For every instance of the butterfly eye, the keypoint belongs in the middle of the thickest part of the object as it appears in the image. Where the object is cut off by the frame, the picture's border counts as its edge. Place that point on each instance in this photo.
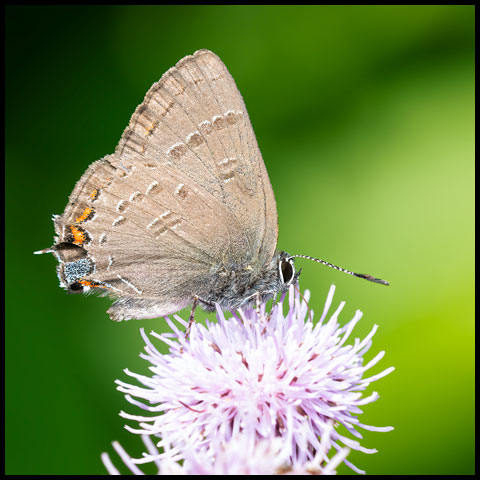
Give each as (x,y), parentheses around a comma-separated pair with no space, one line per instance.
(287,271)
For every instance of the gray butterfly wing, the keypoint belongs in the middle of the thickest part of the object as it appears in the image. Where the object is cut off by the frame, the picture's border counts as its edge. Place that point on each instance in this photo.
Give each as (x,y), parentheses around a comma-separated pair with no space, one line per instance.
(196,117)
(185,192)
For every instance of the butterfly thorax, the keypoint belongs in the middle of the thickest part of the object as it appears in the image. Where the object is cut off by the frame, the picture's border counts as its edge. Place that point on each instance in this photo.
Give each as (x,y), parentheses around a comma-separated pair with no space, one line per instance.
(238,284)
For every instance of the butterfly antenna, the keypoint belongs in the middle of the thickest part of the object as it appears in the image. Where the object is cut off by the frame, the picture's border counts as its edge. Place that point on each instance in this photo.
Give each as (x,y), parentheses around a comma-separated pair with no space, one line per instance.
(360,275)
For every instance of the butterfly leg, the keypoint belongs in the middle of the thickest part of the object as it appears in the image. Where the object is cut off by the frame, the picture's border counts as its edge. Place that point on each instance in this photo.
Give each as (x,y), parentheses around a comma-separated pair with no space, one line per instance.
(192,317)
(257,303)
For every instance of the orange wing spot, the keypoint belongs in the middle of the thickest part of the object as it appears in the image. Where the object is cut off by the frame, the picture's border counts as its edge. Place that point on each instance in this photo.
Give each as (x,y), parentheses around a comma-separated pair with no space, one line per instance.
(84,215)
(94,194)
(88,283)
(79,237)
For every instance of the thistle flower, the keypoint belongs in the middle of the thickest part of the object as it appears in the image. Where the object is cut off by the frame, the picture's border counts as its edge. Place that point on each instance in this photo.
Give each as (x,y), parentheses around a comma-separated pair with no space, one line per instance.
(238,456)
(258,381)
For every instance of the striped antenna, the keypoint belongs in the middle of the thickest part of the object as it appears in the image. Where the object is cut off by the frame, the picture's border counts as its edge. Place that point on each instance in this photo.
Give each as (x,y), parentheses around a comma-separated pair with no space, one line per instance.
(360,275)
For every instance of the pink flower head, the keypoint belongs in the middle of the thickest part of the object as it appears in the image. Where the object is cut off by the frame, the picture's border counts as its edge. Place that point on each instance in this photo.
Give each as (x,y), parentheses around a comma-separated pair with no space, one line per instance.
(255,381)
(238,456)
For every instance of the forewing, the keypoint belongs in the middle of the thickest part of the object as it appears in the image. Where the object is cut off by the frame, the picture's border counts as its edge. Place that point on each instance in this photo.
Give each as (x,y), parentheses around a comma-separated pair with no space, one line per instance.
(195,119)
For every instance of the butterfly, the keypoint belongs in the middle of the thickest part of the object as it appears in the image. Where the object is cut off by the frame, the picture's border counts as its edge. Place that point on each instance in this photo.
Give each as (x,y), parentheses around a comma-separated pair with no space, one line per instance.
(183,211)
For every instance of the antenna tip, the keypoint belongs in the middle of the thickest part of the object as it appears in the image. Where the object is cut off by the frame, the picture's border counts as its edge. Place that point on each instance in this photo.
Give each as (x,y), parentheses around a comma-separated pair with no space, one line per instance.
(371,279)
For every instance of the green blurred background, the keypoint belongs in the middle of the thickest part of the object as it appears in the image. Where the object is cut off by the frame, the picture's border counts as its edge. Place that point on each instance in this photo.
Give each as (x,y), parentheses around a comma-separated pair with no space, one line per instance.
(365,118)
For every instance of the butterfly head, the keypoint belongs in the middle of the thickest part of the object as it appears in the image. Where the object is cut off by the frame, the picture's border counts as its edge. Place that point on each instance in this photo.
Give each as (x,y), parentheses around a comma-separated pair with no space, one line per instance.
(275,277)
(287,275)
